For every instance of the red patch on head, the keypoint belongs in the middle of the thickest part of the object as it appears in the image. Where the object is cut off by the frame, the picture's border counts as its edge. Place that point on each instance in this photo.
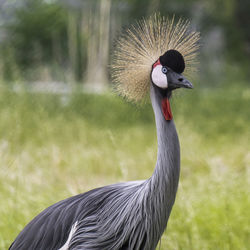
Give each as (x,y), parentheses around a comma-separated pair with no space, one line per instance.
(156,63)
(166,109)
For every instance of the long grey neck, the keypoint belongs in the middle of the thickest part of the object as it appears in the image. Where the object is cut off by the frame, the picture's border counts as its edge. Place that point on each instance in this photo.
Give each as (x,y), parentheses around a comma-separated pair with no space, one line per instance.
(164,181)
(167,169)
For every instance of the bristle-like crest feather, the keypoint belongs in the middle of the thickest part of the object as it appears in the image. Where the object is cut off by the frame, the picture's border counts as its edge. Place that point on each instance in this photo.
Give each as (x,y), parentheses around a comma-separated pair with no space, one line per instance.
(142,45)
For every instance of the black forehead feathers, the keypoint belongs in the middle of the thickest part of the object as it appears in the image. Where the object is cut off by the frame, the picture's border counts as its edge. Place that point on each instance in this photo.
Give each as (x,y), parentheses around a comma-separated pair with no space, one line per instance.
(174,60)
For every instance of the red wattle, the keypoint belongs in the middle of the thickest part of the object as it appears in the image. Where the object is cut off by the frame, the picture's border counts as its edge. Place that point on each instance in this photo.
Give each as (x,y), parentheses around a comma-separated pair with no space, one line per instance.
(166,109)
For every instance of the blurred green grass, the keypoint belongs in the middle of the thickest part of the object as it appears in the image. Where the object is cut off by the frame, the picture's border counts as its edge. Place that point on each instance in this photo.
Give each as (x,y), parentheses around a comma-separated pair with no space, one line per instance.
(55,146)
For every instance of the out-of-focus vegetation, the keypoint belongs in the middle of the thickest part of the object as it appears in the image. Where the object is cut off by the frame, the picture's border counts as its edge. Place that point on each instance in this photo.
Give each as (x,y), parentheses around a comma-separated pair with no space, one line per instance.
(71,40)
(53,147)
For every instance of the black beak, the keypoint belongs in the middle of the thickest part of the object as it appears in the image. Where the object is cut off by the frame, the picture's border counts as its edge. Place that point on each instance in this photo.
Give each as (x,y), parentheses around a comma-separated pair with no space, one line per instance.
(176,80)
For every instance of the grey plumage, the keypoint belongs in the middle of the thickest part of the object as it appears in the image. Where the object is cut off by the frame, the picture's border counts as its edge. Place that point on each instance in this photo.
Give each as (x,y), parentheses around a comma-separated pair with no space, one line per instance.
(130,215)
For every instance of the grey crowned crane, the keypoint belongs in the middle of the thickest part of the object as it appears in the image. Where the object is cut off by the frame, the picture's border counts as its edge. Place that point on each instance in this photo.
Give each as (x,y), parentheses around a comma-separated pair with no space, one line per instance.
(149,58)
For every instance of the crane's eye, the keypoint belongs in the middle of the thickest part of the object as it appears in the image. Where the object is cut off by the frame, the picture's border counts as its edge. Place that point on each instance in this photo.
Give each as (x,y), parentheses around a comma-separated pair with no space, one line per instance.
(164,70)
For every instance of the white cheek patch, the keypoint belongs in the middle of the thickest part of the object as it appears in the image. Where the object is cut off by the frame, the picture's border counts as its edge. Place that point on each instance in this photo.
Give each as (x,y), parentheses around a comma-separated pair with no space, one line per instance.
(158,78)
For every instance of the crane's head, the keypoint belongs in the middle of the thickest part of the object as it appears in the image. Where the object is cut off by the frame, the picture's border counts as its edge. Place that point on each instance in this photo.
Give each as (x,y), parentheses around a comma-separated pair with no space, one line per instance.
(167,75)
(167,71)
(154,52)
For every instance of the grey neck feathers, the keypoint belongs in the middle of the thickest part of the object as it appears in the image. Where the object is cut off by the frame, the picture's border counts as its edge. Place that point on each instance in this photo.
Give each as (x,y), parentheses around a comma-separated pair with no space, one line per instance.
(164,181)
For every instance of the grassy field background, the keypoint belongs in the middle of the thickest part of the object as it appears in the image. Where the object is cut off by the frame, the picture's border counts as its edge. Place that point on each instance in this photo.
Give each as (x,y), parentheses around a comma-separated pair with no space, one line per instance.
(55,146)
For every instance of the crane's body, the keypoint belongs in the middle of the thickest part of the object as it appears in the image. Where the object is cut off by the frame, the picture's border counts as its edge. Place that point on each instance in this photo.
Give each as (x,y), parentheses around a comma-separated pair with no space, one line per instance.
(130,215)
